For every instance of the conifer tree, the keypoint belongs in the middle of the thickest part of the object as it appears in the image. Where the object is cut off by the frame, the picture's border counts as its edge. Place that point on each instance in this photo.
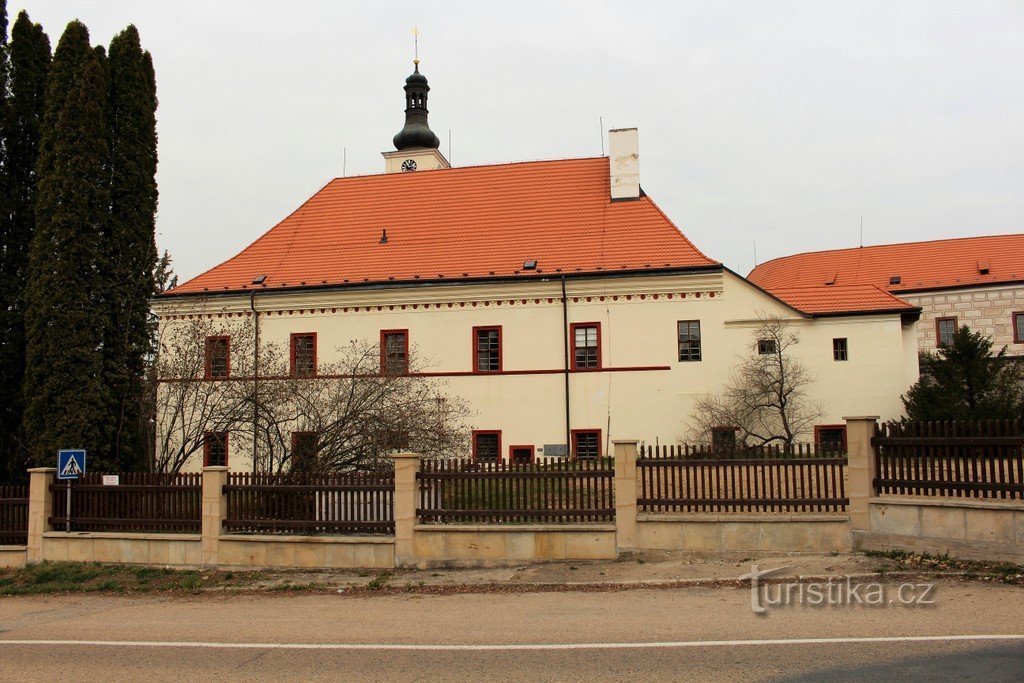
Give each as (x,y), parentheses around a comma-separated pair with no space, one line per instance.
(29,52)
(129,245)
(65,396)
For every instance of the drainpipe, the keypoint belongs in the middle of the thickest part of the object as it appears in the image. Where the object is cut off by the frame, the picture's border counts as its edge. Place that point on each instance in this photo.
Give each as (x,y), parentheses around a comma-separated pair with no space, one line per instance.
(255,373)
(565,347)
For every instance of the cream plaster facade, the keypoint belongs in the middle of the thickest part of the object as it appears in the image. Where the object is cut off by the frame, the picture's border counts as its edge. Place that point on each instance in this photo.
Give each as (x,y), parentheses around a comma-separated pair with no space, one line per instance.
(989,310)
(641,391)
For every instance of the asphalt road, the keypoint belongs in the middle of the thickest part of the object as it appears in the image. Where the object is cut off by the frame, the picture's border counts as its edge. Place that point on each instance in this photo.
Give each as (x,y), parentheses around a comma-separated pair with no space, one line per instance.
(681,634)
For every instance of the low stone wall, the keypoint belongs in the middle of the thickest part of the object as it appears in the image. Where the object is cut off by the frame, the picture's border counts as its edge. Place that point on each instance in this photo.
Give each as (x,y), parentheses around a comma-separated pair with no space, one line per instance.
(307,552)
(175,550)
(12,556)
(793,533)
(965,528)
(437,545)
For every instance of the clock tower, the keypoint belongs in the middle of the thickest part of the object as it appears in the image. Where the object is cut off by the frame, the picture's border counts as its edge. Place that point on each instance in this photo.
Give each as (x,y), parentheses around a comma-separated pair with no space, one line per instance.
(415,145)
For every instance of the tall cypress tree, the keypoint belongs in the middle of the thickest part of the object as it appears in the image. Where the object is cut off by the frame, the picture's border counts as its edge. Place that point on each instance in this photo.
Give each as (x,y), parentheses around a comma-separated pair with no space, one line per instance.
(130,243)
(65,396)
(30,58)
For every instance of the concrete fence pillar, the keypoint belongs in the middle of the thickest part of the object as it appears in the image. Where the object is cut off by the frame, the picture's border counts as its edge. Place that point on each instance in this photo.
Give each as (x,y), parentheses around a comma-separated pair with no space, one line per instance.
(215,508)
(40,507)
(407,466)
(625,452)
(860,469)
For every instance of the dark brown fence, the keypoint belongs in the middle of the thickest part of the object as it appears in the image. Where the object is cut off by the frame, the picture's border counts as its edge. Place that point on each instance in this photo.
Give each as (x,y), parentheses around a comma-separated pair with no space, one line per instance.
(979,459)
(13,515)
(310,503)
(558,492)
(141,502)
(687,478)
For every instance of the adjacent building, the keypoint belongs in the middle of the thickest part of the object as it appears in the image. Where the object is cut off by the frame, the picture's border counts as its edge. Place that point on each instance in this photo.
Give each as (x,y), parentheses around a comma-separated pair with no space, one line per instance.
(972,281)
(554,296)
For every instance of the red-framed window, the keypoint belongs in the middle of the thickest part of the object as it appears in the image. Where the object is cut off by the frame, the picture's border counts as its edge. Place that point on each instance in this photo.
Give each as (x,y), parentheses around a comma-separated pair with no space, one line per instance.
(303,354)
(304,448)
(487,445)
(586,345)
(830,439)
(394,352)
(215,449)
(1018,328)
(487,349)
(688,334)
(218,357)
(586,444)
(945,328)
(520,455)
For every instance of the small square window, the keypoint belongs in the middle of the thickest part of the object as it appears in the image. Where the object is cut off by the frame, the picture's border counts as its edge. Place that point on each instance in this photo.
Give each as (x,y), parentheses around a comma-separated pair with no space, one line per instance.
(945,329)
(218,357)
(586,444)
(303,355)
(215,449)
(1018,328)
(766,347)
(724,438)
(830,439)
(487,446)
(689,340)
(487,349)
(394,352)
(839,349)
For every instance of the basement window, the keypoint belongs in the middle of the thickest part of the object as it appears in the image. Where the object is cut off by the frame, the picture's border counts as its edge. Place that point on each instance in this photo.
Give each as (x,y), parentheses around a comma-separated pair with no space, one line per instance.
(724,438)
(586,444)
(487,446)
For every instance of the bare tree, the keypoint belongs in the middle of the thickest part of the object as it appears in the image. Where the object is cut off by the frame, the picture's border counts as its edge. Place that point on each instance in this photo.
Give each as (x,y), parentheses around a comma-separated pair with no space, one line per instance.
(187,403)
(765,399)
(351,415)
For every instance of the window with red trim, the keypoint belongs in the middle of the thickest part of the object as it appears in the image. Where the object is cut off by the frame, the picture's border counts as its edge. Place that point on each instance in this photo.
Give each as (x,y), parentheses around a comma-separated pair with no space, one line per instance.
(521,455)
(945,329)
(394,352)
(304,449)
(487,349)
(218,357)
(1018,328)
(586,345)
(830,439)
(215,449)
(487,446)
(586,444)
(303,354)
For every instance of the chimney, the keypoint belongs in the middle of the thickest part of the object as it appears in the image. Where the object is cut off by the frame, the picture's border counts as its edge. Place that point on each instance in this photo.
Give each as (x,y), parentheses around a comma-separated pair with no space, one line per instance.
(624,162)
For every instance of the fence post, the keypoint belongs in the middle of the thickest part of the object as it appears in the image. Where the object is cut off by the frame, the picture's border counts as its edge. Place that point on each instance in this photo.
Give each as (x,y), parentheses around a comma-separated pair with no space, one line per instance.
(407,465)
(215,509)
(40,507)
(860,469)
(625,493)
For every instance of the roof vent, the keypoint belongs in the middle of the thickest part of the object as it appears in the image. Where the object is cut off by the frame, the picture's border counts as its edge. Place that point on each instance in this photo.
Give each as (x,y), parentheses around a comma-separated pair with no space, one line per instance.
(895,280)
(259,279)
(530,265)
(384,236)
(830,279)
(983,267)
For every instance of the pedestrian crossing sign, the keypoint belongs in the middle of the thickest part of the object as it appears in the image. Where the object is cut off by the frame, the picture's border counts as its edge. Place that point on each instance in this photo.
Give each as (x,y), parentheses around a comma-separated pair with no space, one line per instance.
(70,464)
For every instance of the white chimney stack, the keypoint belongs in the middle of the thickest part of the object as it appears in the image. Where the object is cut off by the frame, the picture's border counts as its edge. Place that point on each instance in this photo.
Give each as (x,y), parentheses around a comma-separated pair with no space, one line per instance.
(624,162)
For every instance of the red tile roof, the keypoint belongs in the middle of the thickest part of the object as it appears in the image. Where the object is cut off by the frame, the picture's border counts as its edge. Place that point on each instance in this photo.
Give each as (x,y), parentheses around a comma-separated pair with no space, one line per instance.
(468,222)
(939,264)
(839,300)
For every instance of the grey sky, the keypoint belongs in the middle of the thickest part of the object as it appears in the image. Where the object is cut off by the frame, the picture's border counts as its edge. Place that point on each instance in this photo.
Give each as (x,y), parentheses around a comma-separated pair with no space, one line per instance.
(780,122)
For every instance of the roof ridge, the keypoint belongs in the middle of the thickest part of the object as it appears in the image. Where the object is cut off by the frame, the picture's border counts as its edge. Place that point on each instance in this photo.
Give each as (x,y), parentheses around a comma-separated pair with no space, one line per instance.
(420,172)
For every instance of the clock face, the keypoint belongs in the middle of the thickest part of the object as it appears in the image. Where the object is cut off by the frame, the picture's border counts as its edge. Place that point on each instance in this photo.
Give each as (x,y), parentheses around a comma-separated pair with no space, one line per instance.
(408,165)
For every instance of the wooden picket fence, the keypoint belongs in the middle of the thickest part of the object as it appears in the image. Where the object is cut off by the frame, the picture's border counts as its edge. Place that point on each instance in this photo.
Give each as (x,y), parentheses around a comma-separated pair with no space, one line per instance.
(301,503)
(699,478)
(13,515)
(555,492)
(962,459)
(140,502)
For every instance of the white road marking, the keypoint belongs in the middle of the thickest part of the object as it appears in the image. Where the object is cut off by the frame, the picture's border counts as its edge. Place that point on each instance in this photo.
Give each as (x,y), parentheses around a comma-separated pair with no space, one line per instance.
(514,646)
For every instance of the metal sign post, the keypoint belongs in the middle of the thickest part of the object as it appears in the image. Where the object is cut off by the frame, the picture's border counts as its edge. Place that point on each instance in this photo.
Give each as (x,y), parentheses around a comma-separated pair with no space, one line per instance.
(70,465)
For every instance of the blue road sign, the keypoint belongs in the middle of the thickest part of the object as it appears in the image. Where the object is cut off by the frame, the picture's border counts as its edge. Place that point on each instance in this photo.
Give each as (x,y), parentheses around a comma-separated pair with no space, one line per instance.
(70,464)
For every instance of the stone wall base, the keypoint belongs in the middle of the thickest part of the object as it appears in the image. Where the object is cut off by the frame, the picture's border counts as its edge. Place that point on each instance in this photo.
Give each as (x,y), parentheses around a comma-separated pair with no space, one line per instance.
(173,550)
(725,533)
(485,546)
(306,552)
(13,556)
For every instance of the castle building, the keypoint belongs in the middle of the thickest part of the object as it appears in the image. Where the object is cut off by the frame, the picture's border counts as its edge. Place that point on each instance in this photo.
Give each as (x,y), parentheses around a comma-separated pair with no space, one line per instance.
(555,297)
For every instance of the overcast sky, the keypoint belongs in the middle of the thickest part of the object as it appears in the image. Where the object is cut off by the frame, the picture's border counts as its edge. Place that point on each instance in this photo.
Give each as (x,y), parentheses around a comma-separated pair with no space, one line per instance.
(780,123)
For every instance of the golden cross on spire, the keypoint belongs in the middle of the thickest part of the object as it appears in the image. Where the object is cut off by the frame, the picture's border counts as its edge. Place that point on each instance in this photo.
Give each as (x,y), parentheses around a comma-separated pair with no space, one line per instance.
(416,46)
